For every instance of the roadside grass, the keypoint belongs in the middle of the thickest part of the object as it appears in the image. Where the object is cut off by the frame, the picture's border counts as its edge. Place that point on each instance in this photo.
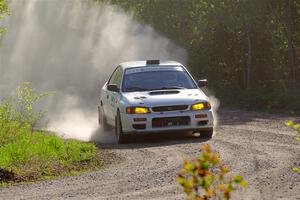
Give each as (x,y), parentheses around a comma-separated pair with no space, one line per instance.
(27,154)
(296,127)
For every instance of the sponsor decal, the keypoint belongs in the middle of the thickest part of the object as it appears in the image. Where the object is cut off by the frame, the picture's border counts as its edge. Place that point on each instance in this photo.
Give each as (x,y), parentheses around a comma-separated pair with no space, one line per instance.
(151,69)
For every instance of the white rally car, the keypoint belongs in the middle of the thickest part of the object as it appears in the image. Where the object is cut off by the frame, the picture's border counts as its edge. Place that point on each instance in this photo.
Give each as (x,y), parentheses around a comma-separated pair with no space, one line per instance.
(153,96)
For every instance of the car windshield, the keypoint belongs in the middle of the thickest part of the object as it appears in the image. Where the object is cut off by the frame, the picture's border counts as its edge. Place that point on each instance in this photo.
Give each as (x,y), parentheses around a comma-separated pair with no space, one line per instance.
(161,78)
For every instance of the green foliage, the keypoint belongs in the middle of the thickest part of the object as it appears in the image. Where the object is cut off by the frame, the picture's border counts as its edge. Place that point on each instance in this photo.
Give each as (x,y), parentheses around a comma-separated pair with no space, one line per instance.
(26,100)
(31,154)
(296,127)
(206,178)
(260,99)
(4,10)
(215,35)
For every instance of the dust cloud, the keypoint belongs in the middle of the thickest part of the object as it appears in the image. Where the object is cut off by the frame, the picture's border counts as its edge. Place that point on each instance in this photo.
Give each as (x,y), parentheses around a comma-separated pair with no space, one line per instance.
(215,104)
(71,47)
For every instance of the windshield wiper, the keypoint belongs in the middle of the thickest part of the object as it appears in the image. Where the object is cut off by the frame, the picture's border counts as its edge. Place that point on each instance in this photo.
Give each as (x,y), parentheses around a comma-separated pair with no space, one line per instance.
(172,87)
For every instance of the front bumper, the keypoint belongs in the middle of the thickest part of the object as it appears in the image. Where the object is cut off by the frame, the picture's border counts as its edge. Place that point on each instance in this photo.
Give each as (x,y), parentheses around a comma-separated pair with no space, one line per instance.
(195,124)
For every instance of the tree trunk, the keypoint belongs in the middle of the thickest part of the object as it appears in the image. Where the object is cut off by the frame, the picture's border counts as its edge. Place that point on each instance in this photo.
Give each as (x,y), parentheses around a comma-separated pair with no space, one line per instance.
(291,55)
(249,57)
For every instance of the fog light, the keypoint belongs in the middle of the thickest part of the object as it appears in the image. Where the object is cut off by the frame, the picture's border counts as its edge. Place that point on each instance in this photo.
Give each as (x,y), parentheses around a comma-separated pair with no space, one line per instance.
(139,126)
(201,116)
(140,119)
(202,123)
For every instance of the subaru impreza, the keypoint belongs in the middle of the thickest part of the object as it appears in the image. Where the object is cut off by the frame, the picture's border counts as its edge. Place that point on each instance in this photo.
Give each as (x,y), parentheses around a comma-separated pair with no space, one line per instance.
(154,96)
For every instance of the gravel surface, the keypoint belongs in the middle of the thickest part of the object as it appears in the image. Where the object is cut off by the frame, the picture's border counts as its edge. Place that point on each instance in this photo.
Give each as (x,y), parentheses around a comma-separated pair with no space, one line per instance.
(255,145)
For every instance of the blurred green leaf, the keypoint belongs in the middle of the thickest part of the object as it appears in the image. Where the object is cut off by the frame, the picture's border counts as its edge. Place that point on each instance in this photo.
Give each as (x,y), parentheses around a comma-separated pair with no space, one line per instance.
(289,123)
(237,179)
(296,169)
(200,176)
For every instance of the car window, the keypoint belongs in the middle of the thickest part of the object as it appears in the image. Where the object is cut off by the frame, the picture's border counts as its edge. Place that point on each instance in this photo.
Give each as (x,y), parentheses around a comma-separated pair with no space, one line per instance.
(116,77)
(141,80)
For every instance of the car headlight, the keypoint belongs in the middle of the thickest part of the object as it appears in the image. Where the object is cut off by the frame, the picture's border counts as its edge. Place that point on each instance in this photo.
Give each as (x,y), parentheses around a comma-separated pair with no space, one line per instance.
(201,106)
(137,110)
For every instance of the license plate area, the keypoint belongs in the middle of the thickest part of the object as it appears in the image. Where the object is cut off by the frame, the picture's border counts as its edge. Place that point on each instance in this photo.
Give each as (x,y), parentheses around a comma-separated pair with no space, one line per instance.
(170,121)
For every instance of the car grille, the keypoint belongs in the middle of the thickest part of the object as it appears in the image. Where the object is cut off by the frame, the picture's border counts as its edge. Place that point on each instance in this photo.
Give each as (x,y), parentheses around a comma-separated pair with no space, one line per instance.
(170,121)
(169,108)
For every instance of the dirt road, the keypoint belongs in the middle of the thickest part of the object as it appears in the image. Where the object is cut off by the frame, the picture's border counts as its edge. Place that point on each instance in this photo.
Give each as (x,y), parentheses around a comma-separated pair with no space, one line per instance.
(255,145)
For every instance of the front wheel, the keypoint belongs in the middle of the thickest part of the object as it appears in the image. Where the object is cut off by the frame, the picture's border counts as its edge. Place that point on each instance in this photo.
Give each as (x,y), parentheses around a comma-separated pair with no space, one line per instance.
(121,138)
(207,133)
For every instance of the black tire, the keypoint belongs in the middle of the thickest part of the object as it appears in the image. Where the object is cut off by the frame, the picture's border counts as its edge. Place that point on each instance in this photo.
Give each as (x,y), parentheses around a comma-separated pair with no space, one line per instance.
(102,119)
(121,138)
(207,133)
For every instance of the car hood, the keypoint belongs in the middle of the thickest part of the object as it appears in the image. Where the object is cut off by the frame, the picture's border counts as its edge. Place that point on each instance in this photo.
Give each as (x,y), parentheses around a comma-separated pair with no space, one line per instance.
(165,97)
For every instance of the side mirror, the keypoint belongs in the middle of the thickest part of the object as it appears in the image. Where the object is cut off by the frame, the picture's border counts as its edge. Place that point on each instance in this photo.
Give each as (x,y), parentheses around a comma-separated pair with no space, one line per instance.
(202,83)
(113,88)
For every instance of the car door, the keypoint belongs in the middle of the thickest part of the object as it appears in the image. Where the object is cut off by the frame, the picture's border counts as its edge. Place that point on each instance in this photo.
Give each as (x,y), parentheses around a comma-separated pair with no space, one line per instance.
(105,99)
(105,96)
(112,96)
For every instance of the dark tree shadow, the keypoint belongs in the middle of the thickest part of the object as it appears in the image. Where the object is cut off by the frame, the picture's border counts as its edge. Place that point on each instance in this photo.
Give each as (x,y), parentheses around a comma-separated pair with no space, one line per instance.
(6,176)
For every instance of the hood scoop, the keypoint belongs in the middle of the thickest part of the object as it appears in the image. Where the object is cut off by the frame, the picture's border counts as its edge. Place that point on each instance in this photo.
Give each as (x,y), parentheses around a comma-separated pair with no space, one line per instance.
(162,92)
